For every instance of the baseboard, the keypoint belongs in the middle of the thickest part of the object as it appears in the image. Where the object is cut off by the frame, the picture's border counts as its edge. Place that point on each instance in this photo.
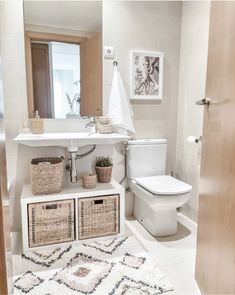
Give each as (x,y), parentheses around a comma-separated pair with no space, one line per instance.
(187,222)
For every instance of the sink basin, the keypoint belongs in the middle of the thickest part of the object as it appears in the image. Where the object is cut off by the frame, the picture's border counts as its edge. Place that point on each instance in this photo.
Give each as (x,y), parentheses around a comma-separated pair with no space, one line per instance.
(76,139)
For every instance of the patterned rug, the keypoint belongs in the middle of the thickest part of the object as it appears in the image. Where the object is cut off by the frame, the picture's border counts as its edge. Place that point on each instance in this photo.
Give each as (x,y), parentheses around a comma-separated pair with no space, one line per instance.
(117,266)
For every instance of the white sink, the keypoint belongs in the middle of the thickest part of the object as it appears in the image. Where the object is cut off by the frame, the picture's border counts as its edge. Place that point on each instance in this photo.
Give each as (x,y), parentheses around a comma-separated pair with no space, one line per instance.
(68,140)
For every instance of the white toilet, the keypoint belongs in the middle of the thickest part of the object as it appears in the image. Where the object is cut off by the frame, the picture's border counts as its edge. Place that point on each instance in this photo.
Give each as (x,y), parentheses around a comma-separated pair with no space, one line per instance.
(157,196)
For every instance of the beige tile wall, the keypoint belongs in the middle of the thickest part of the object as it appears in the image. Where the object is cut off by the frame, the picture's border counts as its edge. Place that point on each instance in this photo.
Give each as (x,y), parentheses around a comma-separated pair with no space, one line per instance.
(14,79)
(193,64)
(153,26)
(148,25)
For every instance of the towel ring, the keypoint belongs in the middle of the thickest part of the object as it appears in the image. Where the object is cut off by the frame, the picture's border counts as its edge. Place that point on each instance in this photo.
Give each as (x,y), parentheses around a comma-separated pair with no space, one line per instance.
(115,63)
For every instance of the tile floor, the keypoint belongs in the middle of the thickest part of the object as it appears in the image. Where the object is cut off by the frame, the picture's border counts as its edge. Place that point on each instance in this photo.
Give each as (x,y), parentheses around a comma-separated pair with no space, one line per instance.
(174,255)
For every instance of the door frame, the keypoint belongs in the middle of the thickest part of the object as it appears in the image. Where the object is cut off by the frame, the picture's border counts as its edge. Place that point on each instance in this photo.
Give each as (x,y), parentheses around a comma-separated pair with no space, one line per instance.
(40,36)
(5,222)
(3,265)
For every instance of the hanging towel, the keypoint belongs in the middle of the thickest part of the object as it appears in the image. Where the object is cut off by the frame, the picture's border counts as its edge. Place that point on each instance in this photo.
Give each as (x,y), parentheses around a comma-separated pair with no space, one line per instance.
(119,107)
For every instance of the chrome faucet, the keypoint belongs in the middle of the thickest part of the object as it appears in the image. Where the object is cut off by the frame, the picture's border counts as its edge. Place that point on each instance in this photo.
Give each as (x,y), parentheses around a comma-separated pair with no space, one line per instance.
(92,123)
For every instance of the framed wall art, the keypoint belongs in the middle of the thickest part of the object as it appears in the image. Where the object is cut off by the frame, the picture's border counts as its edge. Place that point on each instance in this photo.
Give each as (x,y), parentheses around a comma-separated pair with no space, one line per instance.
(146,75)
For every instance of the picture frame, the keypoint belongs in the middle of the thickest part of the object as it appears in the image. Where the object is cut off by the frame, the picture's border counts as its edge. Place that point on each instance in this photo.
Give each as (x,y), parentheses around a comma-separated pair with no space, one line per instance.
(146,75)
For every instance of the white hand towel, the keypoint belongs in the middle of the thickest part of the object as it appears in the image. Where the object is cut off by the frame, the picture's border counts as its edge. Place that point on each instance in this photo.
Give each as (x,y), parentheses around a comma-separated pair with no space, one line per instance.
(119,107)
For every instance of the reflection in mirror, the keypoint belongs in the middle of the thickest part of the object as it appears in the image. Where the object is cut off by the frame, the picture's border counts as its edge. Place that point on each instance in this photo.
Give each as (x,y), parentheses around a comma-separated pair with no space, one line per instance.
(56,78)
(65,79)
(64,58)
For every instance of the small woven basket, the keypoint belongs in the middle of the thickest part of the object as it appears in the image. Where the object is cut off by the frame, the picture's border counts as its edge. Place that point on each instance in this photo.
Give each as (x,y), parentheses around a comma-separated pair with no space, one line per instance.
(46,175)
(104,174)
(104,128)
(89,180)
(103,120)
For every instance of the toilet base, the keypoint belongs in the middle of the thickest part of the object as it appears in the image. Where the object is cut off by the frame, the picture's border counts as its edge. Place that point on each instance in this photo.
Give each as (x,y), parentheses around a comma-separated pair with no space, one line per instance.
(161,222)
(158,214)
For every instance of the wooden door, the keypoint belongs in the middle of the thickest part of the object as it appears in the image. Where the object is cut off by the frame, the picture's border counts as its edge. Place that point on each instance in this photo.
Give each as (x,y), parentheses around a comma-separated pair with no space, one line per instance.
(91,76)
(215,263)
(41,79)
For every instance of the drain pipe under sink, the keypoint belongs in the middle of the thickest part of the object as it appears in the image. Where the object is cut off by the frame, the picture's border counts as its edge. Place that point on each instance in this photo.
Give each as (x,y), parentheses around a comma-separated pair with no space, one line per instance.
(73,156)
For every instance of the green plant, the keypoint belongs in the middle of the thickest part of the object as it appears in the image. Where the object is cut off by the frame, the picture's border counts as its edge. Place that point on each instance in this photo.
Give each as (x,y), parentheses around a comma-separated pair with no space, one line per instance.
(104,162)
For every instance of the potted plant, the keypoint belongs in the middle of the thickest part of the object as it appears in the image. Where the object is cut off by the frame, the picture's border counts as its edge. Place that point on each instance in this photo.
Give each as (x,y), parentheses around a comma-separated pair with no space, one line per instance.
(103,168)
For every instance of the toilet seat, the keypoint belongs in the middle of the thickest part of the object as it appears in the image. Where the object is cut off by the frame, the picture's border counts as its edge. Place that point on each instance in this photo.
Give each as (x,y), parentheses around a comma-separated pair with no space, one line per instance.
(163,185)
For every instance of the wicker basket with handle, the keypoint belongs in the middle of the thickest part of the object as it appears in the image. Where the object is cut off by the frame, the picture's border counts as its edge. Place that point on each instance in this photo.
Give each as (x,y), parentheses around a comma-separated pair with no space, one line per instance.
(98,216)
(51,222)
(46,175)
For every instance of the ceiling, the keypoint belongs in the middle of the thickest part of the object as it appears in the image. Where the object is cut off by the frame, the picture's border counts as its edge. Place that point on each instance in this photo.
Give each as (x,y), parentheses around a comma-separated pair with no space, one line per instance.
(76,15)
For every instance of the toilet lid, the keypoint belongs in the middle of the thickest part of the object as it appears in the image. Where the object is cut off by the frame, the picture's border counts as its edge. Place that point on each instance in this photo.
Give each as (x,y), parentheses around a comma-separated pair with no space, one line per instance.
(163,185)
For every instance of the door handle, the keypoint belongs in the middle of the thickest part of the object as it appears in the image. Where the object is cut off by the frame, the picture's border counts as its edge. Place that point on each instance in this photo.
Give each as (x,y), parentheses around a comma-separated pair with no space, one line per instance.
(204,101)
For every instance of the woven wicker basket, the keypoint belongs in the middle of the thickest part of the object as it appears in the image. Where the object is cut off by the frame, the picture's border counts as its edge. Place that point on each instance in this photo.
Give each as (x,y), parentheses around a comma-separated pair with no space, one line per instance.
(89,181)
(98,216)
(51,222)
(104,174)
(104,128)
(103,120)
(46,175)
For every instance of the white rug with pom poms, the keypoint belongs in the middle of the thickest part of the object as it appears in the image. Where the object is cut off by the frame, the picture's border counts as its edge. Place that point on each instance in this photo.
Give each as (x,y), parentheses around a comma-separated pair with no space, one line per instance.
(118,266)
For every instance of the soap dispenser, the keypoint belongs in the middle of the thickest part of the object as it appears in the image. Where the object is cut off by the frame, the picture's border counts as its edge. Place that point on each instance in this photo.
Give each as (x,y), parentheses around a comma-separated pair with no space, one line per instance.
(37,124)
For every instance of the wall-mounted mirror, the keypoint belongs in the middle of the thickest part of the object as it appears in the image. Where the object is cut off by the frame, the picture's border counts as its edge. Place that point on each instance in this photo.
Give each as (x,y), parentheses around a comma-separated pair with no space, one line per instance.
(64,58)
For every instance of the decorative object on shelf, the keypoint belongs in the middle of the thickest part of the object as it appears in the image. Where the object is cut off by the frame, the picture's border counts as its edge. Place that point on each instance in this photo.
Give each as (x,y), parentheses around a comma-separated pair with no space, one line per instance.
(104,128)
(98,216)
(103,169)
(51,222)
(104,125)
(103,120)
(89,181)
(25,124)
(74,104)
(146,75)
(37,124)
(46,175)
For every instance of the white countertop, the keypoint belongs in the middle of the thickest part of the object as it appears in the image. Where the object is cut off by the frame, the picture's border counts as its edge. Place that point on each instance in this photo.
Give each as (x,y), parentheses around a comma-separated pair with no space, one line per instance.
(69,139)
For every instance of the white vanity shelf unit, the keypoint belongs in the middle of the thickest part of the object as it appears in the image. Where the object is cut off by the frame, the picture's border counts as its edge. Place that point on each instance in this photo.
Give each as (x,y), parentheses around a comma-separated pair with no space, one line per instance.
(68,216)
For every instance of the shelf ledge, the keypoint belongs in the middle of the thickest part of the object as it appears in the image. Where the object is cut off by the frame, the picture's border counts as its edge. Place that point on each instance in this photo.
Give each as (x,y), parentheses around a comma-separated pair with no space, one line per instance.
(76,139)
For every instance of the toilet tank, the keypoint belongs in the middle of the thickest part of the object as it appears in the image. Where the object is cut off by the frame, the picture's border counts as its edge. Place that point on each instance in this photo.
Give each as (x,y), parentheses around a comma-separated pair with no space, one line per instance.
(146,157)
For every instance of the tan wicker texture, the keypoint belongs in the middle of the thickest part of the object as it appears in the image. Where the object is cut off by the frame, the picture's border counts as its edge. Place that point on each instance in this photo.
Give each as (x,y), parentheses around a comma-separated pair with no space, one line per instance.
(98,216)
(89,181)
(51,222)
(104,174)
(104,128)
(46,175)
(103,120)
